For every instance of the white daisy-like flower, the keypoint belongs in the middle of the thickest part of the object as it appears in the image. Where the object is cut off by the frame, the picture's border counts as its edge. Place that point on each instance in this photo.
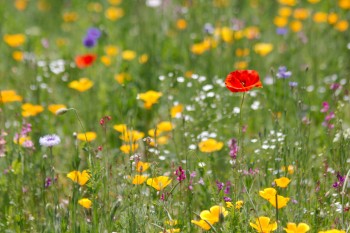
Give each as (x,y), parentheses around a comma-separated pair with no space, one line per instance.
(49,140)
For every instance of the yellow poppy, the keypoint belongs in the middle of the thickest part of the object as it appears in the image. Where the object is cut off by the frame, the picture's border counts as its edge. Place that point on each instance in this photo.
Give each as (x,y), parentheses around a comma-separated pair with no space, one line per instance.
(128,55)
(106,60)
(282,182)
(296,26)
(263,48)
(210,145)
(79,177)
(120,128)
(143,58)
(280,202)
(55,107)
(181,24)
(122,77)
(285,11)
(14,40)
(159,183)
(142,166)
(288,2)
(320,17)
(202,224)
(139,179)
(150,98)
(342,25)
(114,13)
(18,55)
(332,231)
(86,203)
(214,214)
(165,126)
(127,149)
(131,135)
(301,13)
(263,225)
(268,193)
(31,110)
(293,228)
(88,136)
(7,96)
(175,111)
(81,85)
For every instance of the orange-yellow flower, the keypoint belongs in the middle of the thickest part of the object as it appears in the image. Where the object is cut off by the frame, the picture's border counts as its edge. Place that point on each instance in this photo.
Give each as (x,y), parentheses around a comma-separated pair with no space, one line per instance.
(131,135)
(214,214)
(149,98)
(127,149)
(176,110)
(263,225)
(210,145)
(320,17)
(85,202)
(120,128)
(18,55)
(114,13)
(79,177)
(31,110)
(142,166)
(143,58)
(344,4)
(121,78)
(139,179)
(296,26)
(263,48)
(288,2)
(70,17)
(81,85)
(181,24)
(293,228)
(7,96)
(165,126)
(282,182)
(159,183)
(301,13)
(202,224)
(332,231)
(342,25)
(14,40)
(88,136)
(128,55)
(55,107)
(268,193)
(111,50)
(21,5)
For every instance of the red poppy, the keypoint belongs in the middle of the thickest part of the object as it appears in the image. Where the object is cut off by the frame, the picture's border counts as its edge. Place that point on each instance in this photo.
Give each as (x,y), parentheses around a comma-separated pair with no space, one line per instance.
(242,80)
(85,60)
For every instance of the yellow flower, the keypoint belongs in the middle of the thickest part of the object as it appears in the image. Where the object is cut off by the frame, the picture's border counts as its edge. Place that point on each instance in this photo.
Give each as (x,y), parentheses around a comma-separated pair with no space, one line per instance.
(301,13)
(81,85)
(251,33)
(165,126)
(131,136)
(106,60)
(288,2)
(280,21)
(281,201)
(120,128)
(70,17)
(128,55)
(114,2)
(344,4)
(215,214)
(14,40)
(86,203)
(22,140)
(142,166)
(290,169)
(114,13)
(263,48)
(210,145)
(313,1)
(127,149)
(282,182)
(181,24)
(242,52)
(293,228)
(17,55)
(332,231)
(159,183)
(332,18)
(296,26)
(227,34)
(199,48)
(111,50)
(342,25)
(21,5)
(122,77)
(285,11)
(79,177)
(320,17)
(149,98)
(88,136)
(239,204)
(7,96)
(176,111)
(139,179)
(162,140)
(55,107)
(228,204)
(94,6)
(143,58)
(241,65)
(268,193)
(202,224)
(173,230)
(31,110)
(263,225)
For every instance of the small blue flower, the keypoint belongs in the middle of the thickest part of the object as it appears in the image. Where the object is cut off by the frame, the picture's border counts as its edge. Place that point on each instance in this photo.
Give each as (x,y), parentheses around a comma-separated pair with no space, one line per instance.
(283,72)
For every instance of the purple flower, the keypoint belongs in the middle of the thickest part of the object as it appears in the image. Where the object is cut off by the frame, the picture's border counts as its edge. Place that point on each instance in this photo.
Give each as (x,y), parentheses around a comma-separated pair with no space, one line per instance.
(293,84)
(94,33)
(219,185)
(227,199)
(233,148)
(281,31)
(48,182)
(180,173)
(208,28)
(49,140)
(325,107)
(227,188)
(89,41)
(283,72)
(335,86)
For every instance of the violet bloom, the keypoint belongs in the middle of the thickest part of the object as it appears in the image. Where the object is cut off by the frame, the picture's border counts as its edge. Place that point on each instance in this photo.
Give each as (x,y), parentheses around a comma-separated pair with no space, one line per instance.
(180,173)
(227,199)
(233,148)
(208,28)
(293,84)
(48,182)
(281,31)
(283,72)
(219,185)
(94,33)
(227,188)
(89,42)
(325,107)
(335,86)
(49,140)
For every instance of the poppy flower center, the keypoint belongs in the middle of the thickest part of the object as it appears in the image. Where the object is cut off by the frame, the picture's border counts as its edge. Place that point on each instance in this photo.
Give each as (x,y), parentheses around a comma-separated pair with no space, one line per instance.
(242,82)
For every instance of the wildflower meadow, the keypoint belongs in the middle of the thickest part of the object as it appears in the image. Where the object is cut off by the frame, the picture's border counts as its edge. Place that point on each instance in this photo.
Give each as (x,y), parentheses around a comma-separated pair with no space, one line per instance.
(175,116)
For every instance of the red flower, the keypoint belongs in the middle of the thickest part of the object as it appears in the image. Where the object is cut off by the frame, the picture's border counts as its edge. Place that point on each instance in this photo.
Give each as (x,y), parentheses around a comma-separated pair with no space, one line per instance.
(85,60)
(242,80)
